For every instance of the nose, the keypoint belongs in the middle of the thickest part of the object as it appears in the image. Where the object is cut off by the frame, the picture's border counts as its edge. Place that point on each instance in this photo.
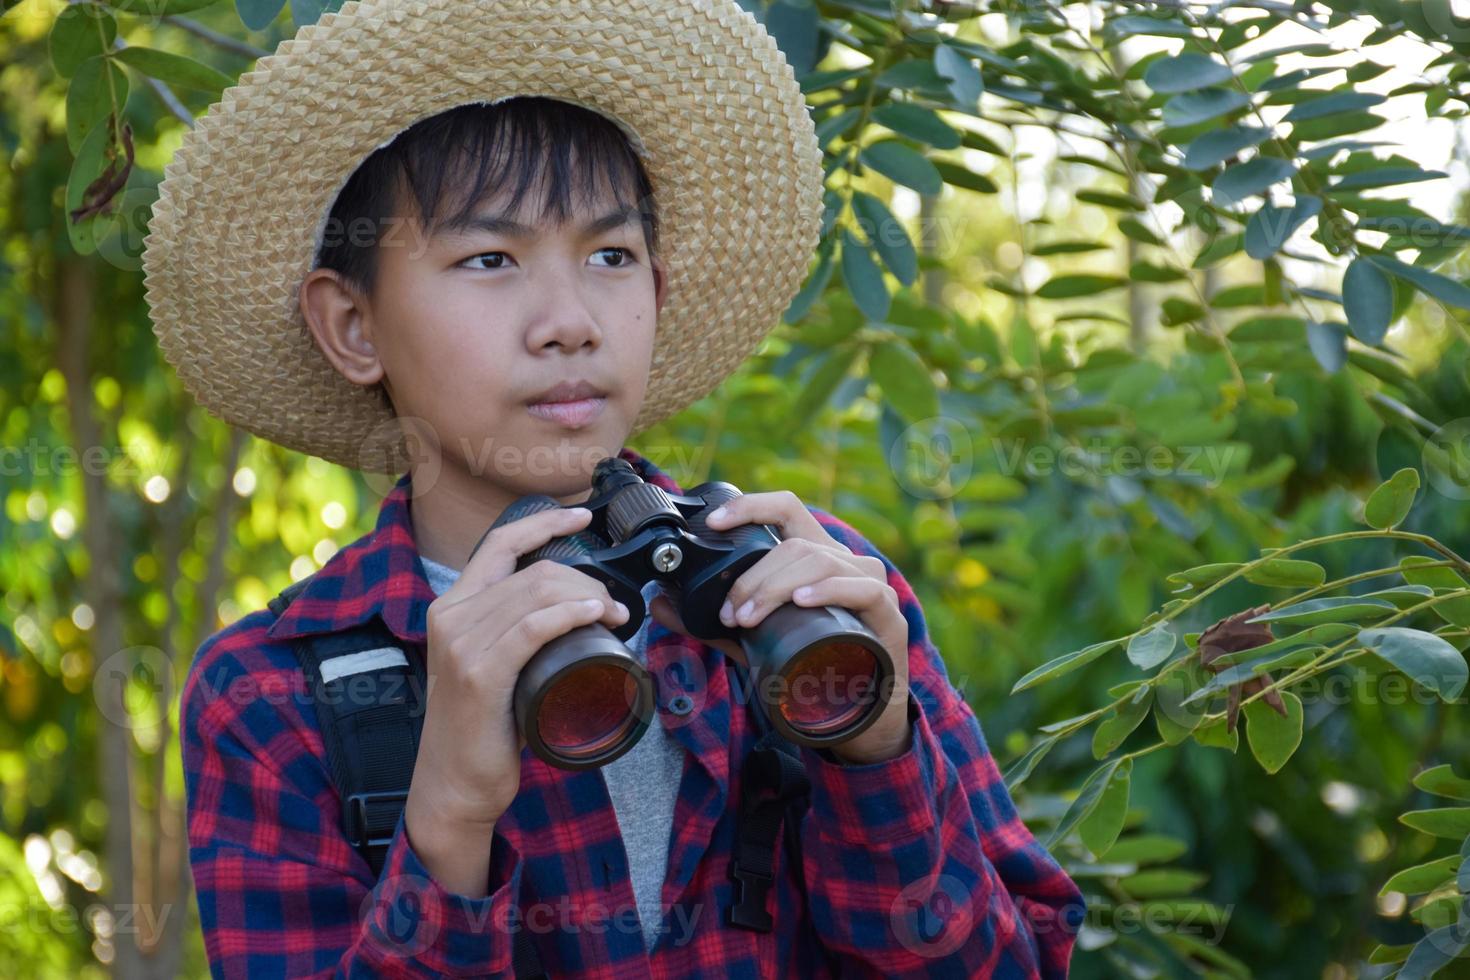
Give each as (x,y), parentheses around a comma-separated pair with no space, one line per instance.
(564,318)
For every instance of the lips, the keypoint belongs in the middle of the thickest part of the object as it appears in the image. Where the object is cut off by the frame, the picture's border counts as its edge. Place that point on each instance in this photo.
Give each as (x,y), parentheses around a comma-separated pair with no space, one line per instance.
(568,391)
(572,414)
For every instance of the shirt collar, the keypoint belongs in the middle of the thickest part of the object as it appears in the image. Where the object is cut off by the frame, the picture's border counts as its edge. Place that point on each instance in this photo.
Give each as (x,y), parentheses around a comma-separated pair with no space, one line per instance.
(380,574)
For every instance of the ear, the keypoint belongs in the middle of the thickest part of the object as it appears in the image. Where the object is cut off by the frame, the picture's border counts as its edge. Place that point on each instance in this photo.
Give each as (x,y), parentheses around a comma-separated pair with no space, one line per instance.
(660,284)
(340,322)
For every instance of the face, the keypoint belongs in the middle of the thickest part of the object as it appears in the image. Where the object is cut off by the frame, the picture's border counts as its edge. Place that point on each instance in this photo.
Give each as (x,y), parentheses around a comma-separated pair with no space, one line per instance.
(471,327)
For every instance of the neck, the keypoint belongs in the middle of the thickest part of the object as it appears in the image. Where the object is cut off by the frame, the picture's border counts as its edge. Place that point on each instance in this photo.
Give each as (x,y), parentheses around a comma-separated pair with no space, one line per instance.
(453,508)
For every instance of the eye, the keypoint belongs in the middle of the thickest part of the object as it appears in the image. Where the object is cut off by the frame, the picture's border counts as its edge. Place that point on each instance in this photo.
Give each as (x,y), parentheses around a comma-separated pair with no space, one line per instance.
(487,255)
(624,256)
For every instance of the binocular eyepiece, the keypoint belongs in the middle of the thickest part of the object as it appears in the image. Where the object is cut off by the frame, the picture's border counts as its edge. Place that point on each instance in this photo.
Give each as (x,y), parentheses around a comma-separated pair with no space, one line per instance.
(582,700)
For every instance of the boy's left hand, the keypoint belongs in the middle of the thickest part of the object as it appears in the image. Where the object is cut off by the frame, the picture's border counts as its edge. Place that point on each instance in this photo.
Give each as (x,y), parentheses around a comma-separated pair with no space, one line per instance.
(809,557)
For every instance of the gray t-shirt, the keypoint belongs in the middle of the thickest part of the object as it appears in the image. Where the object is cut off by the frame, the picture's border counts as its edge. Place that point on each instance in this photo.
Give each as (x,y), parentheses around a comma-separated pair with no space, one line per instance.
(643,784)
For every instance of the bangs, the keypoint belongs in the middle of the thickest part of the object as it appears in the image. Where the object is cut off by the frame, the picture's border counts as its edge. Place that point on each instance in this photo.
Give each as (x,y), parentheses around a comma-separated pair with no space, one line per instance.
(448,165)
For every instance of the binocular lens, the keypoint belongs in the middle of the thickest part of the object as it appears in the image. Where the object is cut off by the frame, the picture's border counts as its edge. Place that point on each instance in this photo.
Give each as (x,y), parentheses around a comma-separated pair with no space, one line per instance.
(589,710)
(830,688)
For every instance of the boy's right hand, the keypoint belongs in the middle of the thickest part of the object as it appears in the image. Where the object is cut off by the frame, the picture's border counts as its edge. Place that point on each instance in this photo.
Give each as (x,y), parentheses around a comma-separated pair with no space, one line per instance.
(481,632)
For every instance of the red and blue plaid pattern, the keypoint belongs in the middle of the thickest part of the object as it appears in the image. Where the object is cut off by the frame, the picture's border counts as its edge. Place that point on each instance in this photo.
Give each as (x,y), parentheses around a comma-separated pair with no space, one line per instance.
(914,867)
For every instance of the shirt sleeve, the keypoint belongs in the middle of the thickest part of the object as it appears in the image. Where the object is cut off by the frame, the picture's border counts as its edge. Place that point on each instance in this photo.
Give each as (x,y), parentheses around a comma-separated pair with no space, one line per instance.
(281,891)
(918,866)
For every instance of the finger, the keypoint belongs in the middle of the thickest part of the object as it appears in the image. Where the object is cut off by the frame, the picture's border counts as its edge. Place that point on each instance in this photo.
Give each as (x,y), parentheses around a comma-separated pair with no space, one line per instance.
(874,602)
(496,555)
(781,509)
(539,627)
(544,583)
(769,582)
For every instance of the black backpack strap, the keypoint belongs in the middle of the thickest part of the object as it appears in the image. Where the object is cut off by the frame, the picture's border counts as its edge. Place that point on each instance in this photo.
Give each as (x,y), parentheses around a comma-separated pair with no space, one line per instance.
(368,694)
(774,794)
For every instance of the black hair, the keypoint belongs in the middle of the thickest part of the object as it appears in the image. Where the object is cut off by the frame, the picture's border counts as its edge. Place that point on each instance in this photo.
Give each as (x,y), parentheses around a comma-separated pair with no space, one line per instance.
(475,148)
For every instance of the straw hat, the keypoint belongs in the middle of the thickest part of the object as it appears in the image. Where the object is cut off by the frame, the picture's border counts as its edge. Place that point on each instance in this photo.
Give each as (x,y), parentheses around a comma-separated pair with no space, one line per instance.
(699,87)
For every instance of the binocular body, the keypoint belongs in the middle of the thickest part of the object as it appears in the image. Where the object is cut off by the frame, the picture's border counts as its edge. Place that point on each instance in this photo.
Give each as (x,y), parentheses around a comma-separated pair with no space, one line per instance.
(819,674)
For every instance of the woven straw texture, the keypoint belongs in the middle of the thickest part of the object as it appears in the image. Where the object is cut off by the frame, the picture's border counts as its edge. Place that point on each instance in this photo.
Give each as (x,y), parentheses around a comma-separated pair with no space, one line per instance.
(700,88)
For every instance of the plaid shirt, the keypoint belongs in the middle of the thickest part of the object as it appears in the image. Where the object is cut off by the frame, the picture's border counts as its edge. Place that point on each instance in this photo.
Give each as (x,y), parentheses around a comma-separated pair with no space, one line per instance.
(915,866)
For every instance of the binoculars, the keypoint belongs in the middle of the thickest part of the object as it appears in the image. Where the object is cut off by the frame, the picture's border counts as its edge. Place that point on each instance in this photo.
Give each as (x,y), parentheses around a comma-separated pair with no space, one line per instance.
(582,700)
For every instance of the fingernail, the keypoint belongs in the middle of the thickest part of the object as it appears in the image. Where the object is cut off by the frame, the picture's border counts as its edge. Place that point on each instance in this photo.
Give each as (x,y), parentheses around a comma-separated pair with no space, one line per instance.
(727,614)
(718,514)
(805,592)
(746,610)
(621,608)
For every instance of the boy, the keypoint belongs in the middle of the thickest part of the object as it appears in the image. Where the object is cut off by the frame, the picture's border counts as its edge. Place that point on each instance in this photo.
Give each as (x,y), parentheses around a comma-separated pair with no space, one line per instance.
(543,276)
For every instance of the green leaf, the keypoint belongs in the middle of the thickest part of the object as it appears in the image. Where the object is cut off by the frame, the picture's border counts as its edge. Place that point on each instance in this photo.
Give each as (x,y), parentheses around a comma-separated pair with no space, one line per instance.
(1145,848)
(959,176)
(1428,659)
(863,278)
(161,8)
(1185,73)
(1079,284)
(1216,736)
(888,235)
(1422,877)
(1100,828)
(1436,950)
(1148,650)
(257,15)
(1203,575)
(1064,664)
(1162,881)
(815,285)
(173,69)
(81,31)
(1418,570)
(905,380)
(87,166)
(1070,247)
(793,24)
(1367,299)
(965,81)
(97,87)
(1024,766)
(1116,727)
(1328,344)
(1273,738)
(902,164)
(1190,108)
(1389,504)
(917,122)
(1087,798)
(834,367)
(1386,177)
(1442,781)
(1333,104)
(1442,288)
(1271,226)
(1287,573)
(1237,183)
(1217,146)
(1139,24)
(1452,822)
(1328,609)
(1174,719)
(1109,199)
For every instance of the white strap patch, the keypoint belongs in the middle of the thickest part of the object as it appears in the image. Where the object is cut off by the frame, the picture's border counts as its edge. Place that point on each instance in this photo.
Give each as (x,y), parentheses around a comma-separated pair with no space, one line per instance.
(357,663)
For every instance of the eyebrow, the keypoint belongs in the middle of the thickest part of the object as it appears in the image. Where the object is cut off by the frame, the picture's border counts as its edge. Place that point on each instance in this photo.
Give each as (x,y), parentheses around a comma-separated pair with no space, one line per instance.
(500,224)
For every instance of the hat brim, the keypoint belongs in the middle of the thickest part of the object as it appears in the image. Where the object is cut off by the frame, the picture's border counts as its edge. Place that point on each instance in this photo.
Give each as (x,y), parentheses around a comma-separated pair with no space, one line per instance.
(703,92)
